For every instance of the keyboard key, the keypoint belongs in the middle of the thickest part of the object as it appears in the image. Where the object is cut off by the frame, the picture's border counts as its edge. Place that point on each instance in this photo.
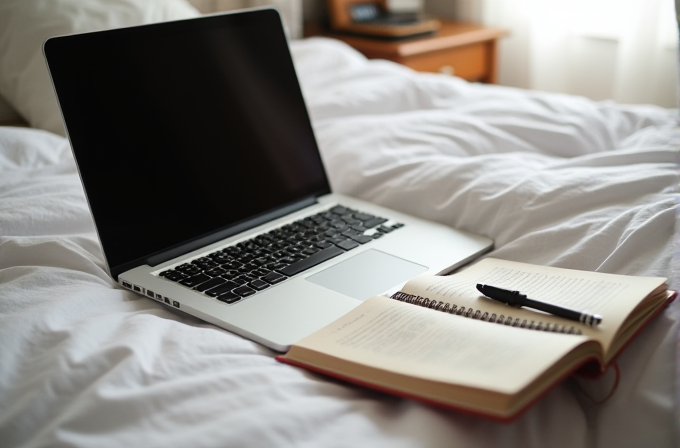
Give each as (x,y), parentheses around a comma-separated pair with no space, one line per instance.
(350,233)
(221,289)
(340,210)
(347,244)
(173,275)
(248,278)
(232,264)
(340,225)
(232,250)
(231,274)
(374,222)
(261,253)
(244,291)
(351,221)
(276,266)
(281,254)
(219,257)
(248,246)
(263,240)
(362,239)
(273,278)
(337,239)
(275,246)
(188,269)
(258,285)
(204,263)
(229,297)
(362,216)
(321,228)
(216,272)
(312,260)
(215,281)
(195,280)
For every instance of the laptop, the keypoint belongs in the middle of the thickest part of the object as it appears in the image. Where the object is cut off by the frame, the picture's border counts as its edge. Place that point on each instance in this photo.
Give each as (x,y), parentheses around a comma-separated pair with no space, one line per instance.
(207,188)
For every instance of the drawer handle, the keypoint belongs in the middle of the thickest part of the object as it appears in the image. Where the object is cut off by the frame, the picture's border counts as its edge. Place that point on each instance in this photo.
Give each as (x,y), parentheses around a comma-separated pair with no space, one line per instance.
(447,70)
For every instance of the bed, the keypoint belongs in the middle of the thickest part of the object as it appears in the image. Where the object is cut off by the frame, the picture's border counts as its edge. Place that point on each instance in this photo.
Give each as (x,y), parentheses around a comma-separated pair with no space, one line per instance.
(553,179)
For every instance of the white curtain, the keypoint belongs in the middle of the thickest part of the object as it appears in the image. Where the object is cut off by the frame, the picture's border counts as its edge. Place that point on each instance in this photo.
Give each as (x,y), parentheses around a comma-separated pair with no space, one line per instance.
(625,50)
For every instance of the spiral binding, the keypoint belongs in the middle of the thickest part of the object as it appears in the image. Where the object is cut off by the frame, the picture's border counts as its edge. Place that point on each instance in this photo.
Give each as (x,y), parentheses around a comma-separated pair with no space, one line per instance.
(484,316)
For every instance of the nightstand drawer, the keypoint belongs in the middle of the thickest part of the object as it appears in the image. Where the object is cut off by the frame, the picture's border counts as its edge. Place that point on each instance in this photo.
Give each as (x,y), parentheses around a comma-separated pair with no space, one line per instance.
(469,62)
(461,49)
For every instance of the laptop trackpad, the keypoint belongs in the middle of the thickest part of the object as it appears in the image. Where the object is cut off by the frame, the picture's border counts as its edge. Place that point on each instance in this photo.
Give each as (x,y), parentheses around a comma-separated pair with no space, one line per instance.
(367,274)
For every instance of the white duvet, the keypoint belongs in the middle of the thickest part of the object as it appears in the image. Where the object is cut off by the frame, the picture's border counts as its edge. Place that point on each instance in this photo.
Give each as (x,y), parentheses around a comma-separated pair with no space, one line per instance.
(553,179)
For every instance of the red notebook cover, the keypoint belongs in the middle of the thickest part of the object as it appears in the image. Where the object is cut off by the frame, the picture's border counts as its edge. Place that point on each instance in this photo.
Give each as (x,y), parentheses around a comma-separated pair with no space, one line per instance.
(589,368)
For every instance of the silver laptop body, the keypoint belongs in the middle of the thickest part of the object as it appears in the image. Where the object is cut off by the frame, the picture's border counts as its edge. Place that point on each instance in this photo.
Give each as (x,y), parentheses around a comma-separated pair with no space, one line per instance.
(194,147)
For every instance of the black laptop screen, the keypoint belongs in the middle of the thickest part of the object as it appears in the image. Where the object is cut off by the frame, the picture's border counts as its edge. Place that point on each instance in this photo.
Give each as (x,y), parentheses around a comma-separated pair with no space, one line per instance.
(184,128)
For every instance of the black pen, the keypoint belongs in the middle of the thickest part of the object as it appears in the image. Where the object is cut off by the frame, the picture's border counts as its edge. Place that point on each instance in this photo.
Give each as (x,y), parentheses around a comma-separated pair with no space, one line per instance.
(515,298)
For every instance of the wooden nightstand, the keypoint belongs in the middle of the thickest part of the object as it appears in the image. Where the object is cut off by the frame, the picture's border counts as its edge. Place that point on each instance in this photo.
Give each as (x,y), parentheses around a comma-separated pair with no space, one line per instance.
(461,49)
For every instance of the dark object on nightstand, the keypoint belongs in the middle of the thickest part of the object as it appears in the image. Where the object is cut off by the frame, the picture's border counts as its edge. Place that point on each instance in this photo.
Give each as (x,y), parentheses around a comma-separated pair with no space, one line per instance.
(372,18)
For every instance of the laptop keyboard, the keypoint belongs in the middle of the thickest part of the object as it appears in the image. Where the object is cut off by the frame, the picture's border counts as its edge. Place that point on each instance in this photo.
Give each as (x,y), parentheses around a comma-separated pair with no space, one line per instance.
(250,266)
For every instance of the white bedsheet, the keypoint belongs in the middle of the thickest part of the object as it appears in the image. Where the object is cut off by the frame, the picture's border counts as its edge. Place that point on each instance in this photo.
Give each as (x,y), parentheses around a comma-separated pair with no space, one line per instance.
(554,179)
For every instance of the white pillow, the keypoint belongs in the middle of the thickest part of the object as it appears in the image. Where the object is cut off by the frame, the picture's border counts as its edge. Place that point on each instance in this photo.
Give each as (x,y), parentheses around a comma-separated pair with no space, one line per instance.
(26,24)
(7,113)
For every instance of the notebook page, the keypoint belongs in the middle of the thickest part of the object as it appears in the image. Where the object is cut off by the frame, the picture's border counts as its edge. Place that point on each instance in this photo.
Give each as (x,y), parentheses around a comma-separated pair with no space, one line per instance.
(386,334)
(612,296)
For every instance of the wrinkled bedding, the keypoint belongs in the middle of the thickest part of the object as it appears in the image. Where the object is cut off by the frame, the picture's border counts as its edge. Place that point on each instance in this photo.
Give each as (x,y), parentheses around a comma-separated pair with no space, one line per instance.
(553,179)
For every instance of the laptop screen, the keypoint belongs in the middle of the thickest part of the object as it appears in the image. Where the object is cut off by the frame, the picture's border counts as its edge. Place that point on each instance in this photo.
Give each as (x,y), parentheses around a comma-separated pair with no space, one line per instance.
(184,128)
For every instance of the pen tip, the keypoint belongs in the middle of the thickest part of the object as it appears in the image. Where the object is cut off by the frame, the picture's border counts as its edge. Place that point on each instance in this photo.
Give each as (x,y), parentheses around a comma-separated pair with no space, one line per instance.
(480,288)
